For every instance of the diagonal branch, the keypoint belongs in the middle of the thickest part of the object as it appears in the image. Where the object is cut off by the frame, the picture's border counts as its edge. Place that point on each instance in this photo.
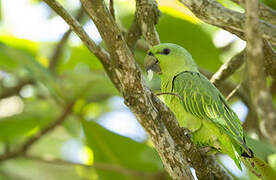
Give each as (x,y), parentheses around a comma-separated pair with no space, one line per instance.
(214,13)
(228,68)
(211,12)
(77,28)
(15,90)
(174,147)
(23,149)
(260,95)
(59,47)
(266,13)
(101,166)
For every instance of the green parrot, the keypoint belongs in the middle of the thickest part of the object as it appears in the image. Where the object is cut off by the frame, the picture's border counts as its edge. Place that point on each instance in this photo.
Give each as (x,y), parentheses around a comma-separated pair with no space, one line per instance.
(197,103)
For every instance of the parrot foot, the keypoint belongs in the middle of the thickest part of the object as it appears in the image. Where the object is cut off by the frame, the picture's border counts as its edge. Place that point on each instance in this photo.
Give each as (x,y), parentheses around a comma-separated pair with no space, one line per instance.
(205,150)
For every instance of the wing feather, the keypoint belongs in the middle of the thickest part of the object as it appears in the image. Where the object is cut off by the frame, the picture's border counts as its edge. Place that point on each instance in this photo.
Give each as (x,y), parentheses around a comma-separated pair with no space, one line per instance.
(202,99)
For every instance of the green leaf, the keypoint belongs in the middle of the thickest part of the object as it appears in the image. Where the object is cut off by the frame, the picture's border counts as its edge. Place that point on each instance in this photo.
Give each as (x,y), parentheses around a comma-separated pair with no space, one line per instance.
(111,148)
(92,86)
(36,71)
(36,114)
(79,57)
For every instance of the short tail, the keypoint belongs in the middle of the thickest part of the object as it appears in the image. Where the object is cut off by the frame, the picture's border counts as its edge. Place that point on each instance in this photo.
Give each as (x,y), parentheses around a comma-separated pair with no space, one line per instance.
(248,154)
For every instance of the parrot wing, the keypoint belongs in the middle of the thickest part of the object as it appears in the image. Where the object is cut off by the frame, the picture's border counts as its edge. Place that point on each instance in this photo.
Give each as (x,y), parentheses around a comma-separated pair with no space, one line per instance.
(203,100)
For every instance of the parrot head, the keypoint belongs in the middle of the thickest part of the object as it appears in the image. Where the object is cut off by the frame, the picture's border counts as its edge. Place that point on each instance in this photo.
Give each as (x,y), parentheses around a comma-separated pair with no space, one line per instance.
(168,60)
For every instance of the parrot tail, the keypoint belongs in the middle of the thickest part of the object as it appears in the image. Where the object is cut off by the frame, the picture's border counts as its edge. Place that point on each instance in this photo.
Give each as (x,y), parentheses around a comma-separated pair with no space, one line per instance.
(248,155)
(247,152)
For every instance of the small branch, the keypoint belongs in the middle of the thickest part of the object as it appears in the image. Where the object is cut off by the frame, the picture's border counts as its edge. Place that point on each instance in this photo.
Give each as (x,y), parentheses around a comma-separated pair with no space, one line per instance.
(23,149)
(77,28)
(265,12)
(100,166)
(15,90)
(111,8)
(228,68)
(231,94)
(260,95)
(59,47)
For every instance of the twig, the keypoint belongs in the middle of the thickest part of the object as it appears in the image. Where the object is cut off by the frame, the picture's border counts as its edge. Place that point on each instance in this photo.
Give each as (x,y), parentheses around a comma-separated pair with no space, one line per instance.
(59,47)
(15,90)
(231,94)
(23,149)
(228,68)
(111,8)
(265,12)
(100,166)
(260,95)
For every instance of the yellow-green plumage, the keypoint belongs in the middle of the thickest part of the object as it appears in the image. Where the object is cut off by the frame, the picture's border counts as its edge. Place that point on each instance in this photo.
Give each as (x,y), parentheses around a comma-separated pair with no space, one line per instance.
(201,108)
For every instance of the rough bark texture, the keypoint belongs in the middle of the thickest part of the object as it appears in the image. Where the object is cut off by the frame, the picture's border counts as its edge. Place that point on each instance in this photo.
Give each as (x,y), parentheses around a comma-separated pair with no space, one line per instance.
(260,94)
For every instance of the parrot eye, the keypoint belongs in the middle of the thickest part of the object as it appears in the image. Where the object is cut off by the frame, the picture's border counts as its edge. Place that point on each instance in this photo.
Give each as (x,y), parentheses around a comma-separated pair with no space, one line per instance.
(150,53)
(166,51)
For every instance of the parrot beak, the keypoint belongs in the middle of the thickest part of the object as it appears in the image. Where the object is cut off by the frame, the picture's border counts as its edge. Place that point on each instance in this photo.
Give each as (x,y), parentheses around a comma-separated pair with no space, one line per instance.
(151,64)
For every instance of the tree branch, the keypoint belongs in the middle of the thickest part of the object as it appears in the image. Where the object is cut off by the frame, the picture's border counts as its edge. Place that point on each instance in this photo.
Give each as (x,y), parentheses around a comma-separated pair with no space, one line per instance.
(23,149)
(147,17)
(101,166)
(265,12)
(59,47)
(228,68)
(211,12)
(77,28)
(214,13)
(260,95)
(155,117)
(15,90)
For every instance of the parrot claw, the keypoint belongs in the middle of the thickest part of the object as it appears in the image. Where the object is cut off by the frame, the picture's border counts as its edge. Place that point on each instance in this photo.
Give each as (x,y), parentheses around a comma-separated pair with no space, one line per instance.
(186,132)
(205,150)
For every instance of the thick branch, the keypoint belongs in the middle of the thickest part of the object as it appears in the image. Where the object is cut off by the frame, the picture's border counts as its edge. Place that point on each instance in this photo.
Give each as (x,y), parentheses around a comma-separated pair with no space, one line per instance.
(265,12)
(214,13)
(23,149)
(147,17)
(149,110)
(260,95)
(211,12)
(101,166)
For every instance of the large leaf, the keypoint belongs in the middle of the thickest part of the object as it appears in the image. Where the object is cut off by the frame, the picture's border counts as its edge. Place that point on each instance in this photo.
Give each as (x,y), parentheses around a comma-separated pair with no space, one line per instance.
(111,148)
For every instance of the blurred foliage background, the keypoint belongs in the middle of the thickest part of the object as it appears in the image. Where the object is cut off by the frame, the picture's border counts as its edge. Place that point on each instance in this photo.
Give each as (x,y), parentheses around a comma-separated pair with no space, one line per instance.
(44,67)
